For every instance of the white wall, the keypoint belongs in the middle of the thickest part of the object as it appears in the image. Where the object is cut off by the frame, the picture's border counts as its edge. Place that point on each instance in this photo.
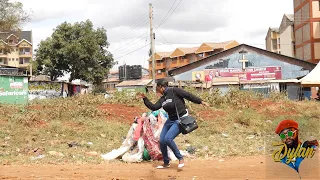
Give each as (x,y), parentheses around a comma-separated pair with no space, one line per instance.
(286,44)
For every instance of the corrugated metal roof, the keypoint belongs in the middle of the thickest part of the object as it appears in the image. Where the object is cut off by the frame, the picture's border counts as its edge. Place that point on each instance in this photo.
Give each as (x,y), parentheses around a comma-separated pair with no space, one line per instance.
(188,50)
(141,82)
(276,29)
(164,54)
(27,35)
(290,17)
(219,45)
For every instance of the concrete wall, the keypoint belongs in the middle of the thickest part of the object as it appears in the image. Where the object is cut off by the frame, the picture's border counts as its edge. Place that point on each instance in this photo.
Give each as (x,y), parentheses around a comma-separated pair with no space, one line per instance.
(316,29)
(317,50)
(315,9)
(299,53)
(296,3)
(306,33)
(305,14)
(286,44)
(307,52)
(13,57)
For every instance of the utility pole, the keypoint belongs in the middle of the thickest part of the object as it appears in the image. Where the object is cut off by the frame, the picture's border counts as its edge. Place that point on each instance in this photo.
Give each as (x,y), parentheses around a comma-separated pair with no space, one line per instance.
(152,49)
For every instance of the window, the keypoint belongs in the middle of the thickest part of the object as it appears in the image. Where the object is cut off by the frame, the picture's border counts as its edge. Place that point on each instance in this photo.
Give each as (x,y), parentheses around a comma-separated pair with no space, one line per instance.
(1,61)
(249,63)
(201,55)
(21,61)
(274,44)
(319,5)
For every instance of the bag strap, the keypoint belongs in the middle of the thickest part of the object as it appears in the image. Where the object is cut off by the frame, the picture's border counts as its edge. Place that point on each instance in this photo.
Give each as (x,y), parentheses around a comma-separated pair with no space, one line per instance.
(175,105)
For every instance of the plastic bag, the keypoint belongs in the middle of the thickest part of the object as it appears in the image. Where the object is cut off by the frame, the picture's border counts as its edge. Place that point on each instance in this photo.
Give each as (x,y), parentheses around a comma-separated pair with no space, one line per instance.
(136,154)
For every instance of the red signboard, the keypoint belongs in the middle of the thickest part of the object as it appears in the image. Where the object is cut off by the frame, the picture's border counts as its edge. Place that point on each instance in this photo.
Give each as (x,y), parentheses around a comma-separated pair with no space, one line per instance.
(249,74)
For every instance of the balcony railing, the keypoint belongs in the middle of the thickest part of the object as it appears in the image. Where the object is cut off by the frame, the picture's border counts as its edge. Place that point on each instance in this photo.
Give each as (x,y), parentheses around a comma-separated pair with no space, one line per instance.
(160,65)
(24,53)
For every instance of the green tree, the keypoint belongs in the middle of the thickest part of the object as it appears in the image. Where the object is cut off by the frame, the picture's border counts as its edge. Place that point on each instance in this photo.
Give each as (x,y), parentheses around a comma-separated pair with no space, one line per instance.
(78,49)
(12,15)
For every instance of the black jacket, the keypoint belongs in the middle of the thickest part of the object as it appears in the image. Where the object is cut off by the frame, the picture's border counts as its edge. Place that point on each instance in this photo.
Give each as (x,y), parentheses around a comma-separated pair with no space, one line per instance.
(166,101)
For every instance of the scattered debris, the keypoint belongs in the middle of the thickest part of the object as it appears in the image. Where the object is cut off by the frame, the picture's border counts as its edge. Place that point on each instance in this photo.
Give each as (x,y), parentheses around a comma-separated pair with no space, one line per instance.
(37,157)
(90,143)
(73,144)
(269,121)
(191,149)
(250,137)
(7,138)
(205,148)
(221,160)
(103,135)
(5,144)
(236,125)
(225,135)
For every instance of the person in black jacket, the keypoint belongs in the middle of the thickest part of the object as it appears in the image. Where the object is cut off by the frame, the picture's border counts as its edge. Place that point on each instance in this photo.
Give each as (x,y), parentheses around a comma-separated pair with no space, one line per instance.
(171,127)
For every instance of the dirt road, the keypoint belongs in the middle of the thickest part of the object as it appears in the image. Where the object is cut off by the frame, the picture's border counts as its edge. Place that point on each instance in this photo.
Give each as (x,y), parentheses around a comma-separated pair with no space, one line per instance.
(257,167)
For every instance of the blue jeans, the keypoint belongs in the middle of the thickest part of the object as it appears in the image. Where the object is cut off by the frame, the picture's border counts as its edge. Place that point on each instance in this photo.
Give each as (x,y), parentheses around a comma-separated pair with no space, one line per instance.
(169,132)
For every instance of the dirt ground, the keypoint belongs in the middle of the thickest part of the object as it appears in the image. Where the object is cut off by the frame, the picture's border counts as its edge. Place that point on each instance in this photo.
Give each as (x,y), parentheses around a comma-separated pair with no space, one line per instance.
(124,112)
(257,167)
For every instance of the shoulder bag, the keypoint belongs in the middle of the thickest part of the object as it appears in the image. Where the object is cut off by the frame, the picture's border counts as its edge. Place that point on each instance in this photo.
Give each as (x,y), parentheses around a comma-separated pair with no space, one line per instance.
(188,123)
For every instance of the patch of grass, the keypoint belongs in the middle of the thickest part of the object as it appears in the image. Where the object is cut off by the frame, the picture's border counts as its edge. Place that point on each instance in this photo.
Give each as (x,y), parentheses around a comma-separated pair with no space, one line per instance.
(246,126)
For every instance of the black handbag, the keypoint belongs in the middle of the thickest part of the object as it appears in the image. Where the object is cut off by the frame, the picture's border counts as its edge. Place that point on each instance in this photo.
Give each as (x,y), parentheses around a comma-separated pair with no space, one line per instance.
(188,123)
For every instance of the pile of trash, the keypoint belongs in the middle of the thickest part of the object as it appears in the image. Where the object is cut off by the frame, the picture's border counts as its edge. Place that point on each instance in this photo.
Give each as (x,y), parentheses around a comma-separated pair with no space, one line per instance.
(143,139)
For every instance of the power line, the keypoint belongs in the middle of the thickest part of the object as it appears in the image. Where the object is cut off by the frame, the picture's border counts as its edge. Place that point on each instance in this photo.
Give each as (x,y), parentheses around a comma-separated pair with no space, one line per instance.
(167,13)
(130,31)
(165,39)
(138,21)
(129,43)
(131,52)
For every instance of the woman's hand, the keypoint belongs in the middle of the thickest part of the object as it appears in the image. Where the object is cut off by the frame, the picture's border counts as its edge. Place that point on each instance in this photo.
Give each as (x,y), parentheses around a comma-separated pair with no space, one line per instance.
(140,95)
(205,104)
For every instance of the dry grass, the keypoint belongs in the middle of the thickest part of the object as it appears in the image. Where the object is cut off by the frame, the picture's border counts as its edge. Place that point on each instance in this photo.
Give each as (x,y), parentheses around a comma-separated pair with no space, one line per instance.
(245,126)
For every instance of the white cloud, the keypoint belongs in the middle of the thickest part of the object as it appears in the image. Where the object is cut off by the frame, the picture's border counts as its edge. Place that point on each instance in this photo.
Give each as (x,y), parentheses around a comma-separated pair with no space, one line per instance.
(192,23)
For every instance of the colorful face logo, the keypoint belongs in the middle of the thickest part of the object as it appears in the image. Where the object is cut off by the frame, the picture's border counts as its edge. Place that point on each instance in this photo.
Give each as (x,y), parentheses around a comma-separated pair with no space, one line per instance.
(290,150)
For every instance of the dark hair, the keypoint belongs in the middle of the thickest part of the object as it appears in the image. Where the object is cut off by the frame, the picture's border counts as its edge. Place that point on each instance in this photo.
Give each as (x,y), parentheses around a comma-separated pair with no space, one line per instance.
(162,83)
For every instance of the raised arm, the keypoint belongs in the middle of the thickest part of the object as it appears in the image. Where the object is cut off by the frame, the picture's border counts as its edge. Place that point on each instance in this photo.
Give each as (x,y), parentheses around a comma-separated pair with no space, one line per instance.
(152,106)
(184,94)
